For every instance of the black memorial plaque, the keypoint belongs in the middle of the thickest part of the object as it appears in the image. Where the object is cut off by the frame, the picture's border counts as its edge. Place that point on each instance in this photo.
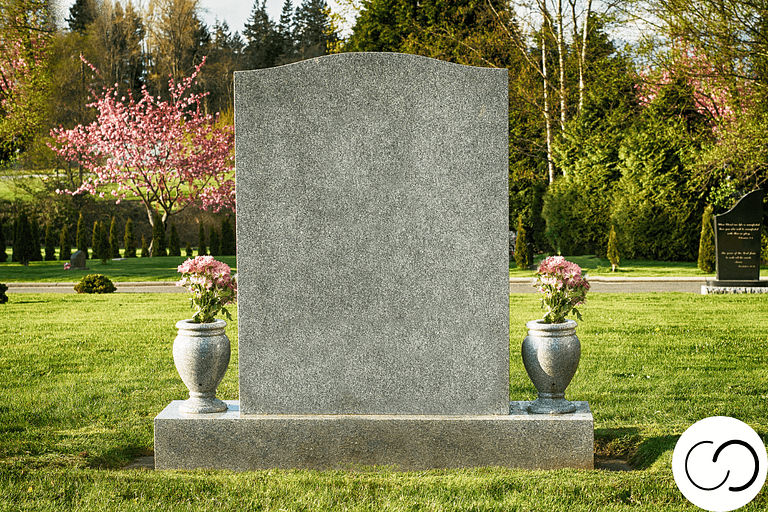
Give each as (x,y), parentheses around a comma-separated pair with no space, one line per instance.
(737,239)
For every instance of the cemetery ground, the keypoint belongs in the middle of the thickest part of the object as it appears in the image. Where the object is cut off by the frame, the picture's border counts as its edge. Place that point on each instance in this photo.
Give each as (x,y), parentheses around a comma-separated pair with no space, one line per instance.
(164,269)
(83,376)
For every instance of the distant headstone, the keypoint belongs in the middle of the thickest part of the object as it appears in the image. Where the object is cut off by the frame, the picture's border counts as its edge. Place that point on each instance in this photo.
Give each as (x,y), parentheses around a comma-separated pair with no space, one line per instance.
(737,239)
(77,261)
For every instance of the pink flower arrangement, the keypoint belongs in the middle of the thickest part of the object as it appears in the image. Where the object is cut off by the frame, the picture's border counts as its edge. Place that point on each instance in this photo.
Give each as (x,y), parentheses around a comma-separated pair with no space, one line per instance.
(563,287)
(67,266)
(212,287)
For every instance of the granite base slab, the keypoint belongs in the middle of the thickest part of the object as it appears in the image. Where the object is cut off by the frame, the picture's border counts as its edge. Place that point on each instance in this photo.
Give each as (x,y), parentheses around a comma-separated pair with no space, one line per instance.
(230,440)
(734,287)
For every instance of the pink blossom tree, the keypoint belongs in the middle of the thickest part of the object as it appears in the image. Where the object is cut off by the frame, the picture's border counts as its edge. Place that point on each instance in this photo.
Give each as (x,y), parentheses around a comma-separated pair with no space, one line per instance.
(716,96)
(167,153)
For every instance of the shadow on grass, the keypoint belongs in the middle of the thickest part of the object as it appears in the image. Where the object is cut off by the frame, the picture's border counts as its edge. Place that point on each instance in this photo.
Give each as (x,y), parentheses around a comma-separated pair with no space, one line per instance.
(628,444)
(651,449)
(118,456)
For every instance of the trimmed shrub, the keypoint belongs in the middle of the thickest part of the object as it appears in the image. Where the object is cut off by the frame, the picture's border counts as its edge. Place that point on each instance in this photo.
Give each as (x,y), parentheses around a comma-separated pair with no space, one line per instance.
(228,244)
(188,251)
(522,258)
(95,283)
(707,262)
(202,250)
(144,247)
(215,243)
(613,250)
(158,237)
(23,246)
(36,256)
(129,241)
(50,243)
(3,296)
(65,248)
(81,238)
(114,245)
(3,255)
(174,249)
(763,246)
(98,249)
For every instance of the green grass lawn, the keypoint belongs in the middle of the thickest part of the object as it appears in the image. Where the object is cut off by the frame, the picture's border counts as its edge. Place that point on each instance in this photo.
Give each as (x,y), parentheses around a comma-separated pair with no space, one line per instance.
(130,269)
(84,375)
(629,268)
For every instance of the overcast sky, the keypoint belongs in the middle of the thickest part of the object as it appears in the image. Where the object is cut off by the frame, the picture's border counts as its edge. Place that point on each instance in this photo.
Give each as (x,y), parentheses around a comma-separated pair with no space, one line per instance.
(234,12)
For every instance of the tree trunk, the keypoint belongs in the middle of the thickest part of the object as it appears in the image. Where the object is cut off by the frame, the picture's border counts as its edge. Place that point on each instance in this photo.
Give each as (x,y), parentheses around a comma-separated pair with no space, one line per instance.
(547,113)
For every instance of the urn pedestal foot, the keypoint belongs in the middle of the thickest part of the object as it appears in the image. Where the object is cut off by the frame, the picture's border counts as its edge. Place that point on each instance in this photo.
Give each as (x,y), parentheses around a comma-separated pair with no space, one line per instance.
(551,403)
(202,403)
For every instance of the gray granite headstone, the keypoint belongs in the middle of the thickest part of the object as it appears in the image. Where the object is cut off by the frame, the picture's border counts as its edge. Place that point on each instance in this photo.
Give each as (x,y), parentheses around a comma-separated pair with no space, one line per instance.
(77,260)
(737,240)
(372,237)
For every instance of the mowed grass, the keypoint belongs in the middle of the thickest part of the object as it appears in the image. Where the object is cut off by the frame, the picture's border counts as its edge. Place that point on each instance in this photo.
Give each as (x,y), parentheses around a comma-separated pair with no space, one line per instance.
(84,375)
(129,269)
(164,269)
(629,268)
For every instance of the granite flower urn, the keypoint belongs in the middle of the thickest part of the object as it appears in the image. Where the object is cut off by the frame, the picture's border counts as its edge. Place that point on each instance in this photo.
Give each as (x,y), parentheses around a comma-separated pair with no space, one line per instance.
(201,353)
(551,355)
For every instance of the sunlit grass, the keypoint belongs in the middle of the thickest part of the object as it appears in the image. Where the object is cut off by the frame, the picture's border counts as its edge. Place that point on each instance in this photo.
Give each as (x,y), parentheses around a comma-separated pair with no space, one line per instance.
(84,376)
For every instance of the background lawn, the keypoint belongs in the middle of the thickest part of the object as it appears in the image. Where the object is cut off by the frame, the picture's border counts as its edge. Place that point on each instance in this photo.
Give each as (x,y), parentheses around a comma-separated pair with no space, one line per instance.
(629,268)
(164,269)
(84,375)
(130,269)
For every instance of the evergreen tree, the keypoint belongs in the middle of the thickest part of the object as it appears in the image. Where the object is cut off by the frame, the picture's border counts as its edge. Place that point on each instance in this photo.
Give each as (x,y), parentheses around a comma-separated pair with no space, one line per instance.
(65,248)
(158,237)
(81,15)
(3,255)
(285,30)
(174,248)
(188,250)
(264,45)
(522,258)
(50,243)
(129,241)
(707,262)
(144,247)
(613,250)
(202,250)
(23,246)
(35,225)
(114,245)
(81,240)
(98,250)
(215,243)
(228,245)
(312,29)
(104,243)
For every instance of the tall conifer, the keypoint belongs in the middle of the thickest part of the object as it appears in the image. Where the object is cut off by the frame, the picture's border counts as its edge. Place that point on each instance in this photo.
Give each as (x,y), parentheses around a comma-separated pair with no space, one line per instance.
(65,247)
(129,241)
(707,261)
(81,238)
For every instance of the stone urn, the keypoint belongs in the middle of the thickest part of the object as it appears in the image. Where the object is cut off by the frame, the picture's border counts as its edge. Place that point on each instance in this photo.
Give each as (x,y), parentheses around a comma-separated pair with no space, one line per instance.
(551,355)
(201,353)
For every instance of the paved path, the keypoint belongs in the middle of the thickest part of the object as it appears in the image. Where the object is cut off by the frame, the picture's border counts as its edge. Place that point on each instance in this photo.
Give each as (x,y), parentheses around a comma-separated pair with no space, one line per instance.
(599,284)
(609,284)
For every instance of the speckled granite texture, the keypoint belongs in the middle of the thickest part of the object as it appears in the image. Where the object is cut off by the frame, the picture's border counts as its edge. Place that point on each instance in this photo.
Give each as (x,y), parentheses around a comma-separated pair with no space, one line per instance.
(240,442)
(372,231)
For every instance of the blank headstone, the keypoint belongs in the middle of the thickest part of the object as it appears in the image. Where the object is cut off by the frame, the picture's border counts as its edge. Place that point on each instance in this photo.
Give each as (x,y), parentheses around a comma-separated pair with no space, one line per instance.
(372,237)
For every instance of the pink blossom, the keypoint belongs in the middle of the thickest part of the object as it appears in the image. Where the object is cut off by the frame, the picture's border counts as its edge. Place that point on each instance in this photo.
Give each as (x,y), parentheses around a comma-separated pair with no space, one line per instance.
(167,153)
(563,287)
